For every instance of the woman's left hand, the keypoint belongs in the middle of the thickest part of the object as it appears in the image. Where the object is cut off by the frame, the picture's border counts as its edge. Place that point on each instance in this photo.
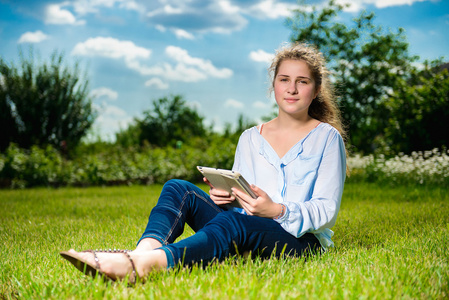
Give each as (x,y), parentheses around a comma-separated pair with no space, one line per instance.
(262,206)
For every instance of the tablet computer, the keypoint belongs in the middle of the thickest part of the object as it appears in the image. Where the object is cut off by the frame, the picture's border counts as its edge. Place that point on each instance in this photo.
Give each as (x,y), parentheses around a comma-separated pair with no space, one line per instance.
(227,179)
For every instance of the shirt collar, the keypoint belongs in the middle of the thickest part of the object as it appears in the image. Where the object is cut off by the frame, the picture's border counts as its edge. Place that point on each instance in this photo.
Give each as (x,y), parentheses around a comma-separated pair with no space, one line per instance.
(273,158)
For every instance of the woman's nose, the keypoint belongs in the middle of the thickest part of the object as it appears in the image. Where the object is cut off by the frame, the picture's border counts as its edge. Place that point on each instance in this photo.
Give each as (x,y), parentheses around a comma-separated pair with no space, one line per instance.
(292,89)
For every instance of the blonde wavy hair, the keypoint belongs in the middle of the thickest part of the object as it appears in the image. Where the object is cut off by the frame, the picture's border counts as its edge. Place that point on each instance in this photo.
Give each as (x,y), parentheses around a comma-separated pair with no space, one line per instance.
(324,107)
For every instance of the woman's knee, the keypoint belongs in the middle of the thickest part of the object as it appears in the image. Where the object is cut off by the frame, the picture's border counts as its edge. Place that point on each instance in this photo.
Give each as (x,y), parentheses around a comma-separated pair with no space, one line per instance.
(178,185)
(183,191)
(227,221)
(174,183)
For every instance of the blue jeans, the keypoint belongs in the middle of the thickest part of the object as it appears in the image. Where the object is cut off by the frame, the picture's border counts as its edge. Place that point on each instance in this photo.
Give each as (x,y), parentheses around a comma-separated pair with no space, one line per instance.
(219,233)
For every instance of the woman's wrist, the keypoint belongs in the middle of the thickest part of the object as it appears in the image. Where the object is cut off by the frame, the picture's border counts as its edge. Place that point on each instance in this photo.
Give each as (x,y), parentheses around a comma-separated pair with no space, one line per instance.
(282,212)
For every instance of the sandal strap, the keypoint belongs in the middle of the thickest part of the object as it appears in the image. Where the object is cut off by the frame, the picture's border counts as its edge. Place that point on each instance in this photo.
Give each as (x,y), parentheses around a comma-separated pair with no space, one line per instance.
(97,261)
(126,252)
(133,266)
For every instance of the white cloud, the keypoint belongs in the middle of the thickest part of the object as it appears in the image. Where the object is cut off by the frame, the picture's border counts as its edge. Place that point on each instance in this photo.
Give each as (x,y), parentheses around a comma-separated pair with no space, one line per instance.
(387,3)
(261,56)
(55,14)
(179,33)
(180,72)
(196,16)
(161,28)
(357,5)
(91,6)
(184,18)
(354,6)
(182,34)
(112,48)
(186,69)
(227,7)
(271,9)
(33,37)
(104,92)
(167,9)
(233,103)
(183,57)
(132,5)
(83,7)
(157,83)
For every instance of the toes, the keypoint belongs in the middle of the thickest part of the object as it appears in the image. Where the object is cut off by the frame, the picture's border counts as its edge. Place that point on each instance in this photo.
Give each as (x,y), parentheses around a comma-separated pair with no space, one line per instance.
(83,256)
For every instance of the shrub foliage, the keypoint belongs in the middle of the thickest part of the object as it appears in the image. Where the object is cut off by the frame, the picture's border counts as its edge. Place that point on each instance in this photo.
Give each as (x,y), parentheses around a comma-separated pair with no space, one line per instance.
(113,165)
(20,168)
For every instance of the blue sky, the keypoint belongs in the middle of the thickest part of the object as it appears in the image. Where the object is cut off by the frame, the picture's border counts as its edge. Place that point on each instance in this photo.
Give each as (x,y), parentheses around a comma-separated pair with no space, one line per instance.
(213,52)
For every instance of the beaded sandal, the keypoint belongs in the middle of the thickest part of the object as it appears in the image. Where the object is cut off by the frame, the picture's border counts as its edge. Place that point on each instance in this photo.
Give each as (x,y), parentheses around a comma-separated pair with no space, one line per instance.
(90,270)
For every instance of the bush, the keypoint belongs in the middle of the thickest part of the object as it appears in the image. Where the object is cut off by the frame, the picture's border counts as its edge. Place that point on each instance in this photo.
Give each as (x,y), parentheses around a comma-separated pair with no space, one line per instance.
(115,165)
(20,168)
(37,167)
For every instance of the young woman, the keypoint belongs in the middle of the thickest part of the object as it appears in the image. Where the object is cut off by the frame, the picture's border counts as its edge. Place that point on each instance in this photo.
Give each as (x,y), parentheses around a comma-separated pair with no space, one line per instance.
(296,164)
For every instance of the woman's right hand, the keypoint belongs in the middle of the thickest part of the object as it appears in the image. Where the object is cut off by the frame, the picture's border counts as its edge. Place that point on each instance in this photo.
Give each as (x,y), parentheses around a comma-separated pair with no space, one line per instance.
(220,197)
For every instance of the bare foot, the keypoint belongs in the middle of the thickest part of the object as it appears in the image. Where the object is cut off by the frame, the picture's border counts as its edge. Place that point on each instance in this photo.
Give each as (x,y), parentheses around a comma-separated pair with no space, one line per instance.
(118,266)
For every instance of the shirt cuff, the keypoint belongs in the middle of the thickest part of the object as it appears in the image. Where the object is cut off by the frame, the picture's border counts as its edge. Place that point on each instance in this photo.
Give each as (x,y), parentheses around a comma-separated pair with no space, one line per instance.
(285,216)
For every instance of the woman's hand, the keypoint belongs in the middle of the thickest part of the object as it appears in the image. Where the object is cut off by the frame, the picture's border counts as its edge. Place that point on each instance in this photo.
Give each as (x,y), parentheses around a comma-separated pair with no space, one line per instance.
(219,197)
(262,206)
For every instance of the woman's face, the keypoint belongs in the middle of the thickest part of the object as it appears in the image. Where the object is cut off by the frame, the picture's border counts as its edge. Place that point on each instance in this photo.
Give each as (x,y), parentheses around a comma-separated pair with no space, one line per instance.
(294,87)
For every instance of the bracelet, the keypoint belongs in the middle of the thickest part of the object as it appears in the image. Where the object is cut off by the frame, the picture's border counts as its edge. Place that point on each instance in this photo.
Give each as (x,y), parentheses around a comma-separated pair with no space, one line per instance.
(282,212)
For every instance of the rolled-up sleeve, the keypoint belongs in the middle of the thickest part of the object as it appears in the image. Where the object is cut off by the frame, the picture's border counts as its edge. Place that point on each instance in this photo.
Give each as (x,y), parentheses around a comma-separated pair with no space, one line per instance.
(320,210)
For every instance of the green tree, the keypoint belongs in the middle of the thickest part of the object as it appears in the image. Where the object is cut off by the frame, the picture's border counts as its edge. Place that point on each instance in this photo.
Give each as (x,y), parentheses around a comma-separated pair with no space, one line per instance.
(233,132)
(167,123)
(43,104)
(367,62)
(419,111)
(130,136)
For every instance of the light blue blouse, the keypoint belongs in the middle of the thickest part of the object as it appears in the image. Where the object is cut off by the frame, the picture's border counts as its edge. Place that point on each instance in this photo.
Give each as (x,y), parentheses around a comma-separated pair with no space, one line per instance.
(308,180)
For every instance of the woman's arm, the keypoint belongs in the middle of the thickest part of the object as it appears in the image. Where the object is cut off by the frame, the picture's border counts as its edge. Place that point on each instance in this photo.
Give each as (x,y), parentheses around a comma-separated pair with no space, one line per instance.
(320,211)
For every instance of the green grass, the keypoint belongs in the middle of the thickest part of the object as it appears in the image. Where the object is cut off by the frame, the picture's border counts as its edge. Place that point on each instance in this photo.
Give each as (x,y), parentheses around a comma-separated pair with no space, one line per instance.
(390,243)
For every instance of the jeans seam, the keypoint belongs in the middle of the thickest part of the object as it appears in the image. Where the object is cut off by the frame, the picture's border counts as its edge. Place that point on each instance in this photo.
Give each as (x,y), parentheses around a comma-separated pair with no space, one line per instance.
(205,200)
(153,236)
(180,212)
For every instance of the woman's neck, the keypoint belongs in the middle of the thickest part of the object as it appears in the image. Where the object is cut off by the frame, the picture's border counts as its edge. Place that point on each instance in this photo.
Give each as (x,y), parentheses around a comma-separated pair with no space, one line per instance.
(287,121)
(282,134)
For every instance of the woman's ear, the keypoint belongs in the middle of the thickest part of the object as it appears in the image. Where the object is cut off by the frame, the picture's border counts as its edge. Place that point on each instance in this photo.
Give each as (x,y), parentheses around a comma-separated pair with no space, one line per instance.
(317,91)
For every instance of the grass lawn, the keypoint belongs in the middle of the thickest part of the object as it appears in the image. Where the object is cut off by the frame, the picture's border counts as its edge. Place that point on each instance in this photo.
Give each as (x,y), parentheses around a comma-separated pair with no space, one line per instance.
(390,243)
